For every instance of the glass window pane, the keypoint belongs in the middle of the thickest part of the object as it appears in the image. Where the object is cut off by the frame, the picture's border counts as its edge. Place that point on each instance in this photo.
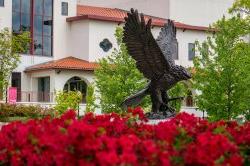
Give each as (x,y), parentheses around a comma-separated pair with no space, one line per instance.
(48,7)
(1,2)
(38,45)
(47,46)
(38,25)
(16,5)
(25,6)
(64,8)
(47,26)
(25,22)
(16,22)
(39,7)
(191,51)
(176,47)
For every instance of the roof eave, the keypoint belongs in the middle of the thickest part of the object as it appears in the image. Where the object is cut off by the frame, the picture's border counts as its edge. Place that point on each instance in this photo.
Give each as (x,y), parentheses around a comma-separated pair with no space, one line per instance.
(55,68)
(94,17)
(119,20)
(104,18)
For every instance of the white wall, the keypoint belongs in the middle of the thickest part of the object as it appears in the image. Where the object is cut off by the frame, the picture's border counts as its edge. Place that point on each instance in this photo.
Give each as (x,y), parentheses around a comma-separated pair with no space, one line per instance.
(26,61)
(61,29)
(57,81)
(194,12)
(99,30)
(6,15)
(183,39)
(78,40)
(30,60)
(152,7)
(198,12)
(34,82)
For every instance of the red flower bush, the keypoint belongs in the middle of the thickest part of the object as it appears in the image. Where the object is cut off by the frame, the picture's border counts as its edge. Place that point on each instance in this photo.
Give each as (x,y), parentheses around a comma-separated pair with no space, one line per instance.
(111,139)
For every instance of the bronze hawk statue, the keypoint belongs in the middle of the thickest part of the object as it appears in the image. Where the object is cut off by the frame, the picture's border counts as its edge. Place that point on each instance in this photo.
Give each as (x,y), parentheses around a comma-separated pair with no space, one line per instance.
(153,59)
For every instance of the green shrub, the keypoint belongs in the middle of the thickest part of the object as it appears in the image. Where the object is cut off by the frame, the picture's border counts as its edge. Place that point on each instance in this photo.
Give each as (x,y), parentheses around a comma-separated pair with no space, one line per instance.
(11,111)
(67,100)
(90,99)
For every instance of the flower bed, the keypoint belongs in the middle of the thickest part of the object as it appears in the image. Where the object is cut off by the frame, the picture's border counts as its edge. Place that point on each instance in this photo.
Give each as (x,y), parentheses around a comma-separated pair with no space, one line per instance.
(114,140)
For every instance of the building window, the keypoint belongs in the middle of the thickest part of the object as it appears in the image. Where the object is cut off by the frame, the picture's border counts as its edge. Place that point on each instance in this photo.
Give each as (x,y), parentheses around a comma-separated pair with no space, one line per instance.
(106,45)
(21,12)
(2,3)
(176,55)
(16,82)
(191,51)
(36,17)
(44,89)
(65,8)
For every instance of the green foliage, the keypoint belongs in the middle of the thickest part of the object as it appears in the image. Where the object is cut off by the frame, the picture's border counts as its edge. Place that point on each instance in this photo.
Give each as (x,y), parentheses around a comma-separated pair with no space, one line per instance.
(222,75)
(10,47)
(90,99)
(179,90)
(242,6)
(67,100)
(118,77)
(10,112)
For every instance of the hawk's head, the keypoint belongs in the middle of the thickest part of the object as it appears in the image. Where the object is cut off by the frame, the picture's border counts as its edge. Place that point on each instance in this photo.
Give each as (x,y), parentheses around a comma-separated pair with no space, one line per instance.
(182,73)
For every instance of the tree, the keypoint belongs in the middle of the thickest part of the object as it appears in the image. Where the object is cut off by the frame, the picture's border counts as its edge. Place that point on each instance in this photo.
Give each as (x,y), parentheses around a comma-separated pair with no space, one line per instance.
(222,76)
(241,6)
(117,77)
(179,90)
(10,47)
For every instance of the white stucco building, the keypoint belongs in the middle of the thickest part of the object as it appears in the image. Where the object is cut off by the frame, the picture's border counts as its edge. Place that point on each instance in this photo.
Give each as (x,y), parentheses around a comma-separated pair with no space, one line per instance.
(69,36)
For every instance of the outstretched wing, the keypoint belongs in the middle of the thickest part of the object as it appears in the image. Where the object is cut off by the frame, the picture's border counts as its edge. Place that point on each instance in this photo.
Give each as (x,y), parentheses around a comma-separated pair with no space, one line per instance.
(143,47)
(168,43)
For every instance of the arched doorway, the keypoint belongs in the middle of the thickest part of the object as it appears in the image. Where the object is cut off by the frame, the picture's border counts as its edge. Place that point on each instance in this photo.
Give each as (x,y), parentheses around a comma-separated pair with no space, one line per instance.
(76,84)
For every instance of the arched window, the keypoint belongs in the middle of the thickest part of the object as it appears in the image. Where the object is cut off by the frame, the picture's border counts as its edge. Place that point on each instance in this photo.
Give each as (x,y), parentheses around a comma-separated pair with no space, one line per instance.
(76,84)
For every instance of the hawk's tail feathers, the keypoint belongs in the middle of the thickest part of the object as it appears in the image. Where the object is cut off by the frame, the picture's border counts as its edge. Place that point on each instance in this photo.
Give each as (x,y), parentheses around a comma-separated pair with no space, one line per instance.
(135,99)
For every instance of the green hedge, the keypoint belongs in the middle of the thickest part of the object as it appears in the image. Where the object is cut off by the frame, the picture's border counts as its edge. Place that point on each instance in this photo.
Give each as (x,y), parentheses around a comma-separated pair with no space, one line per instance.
(10,112)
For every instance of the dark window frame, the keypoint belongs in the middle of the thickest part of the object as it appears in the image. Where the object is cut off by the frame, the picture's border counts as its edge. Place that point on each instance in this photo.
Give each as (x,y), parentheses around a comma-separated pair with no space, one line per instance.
(33,34)
(177,52)
(67,8)
(2,4)
(191,53)
(105,45)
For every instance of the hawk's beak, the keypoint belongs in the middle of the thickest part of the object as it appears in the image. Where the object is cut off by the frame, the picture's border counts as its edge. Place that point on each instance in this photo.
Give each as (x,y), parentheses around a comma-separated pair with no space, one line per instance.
(188,75)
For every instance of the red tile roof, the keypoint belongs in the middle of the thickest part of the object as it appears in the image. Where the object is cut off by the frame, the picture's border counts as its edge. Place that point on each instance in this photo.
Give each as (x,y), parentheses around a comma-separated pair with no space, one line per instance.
(117,15)
(69,63)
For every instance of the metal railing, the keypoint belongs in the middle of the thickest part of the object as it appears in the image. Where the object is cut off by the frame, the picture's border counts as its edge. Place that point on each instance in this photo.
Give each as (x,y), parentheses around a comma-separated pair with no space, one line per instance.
(33,96)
